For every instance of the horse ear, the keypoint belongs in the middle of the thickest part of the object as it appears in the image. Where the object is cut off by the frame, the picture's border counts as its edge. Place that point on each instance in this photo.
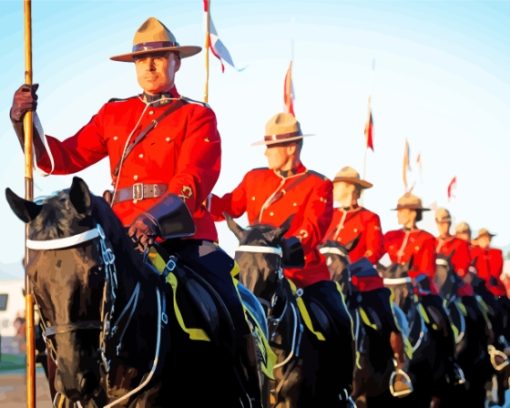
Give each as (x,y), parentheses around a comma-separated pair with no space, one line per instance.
(79,194)
(25,210)
(282,229)
(410,263)
(234,226)
(351,245)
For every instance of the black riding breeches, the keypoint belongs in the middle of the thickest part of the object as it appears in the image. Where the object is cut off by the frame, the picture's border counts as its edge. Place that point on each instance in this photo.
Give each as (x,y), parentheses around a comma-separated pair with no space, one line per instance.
(379,300)
(213,265)
(439,317)
(340,354)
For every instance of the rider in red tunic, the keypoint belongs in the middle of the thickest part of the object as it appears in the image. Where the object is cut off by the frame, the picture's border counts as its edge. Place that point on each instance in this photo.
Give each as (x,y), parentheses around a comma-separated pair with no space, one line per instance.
(488,263)
(353,223)
(416,249)
(163,148)
(359,230)
(456,249)
(287,188)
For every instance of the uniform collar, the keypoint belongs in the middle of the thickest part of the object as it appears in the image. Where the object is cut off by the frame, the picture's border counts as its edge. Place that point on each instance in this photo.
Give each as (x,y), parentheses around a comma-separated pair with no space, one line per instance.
(160,99)
(354,207)
(289,173)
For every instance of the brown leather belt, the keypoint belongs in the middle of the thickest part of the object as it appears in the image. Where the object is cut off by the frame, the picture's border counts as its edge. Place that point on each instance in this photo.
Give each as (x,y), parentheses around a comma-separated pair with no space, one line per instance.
(140,191)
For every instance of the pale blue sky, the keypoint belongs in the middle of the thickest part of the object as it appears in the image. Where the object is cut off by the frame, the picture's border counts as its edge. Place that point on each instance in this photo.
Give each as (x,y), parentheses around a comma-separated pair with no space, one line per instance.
(441,79)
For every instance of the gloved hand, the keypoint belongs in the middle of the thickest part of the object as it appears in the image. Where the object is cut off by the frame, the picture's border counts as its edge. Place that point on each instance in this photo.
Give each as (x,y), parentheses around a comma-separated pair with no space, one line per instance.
(143,231)
(293,254)
(24,100)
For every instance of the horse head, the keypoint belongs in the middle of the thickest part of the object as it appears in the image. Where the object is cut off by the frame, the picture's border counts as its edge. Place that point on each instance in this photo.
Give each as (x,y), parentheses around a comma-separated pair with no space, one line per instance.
(70,266)
(446,280)
(396,278)
(259,256)
(337,259)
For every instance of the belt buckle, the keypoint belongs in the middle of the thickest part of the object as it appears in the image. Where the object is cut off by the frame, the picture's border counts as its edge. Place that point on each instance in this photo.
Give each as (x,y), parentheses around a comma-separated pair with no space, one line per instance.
(137,191)
(156,190)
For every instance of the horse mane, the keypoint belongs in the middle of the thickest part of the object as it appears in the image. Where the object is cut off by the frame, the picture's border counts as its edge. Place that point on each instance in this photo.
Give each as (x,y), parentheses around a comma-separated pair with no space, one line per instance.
(58,218)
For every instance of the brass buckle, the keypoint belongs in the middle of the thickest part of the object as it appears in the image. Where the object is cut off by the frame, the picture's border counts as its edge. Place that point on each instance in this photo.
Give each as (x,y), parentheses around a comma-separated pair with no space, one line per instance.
(138,191)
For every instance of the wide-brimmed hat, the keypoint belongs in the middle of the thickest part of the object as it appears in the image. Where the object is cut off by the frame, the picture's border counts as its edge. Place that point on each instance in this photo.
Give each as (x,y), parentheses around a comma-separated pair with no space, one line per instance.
(443,215)
(462,228)
(411,202)
(153,37)
(484,232)
(349,175)
(282,128)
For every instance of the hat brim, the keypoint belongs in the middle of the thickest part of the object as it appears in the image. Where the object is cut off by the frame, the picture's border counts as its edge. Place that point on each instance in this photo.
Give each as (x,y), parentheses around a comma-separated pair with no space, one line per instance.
(283,141)
(360,182)
(184,52)
(486,235)
(410,207)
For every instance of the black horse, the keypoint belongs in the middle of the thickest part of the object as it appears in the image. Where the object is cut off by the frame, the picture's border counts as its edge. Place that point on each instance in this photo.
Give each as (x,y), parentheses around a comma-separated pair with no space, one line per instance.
(306,373)
(374,362)
(428,365)
(111,321)
(472,335)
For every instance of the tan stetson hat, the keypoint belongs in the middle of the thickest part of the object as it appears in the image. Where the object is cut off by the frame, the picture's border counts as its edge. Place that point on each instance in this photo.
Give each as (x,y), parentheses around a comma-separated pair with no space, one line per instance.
(411,202)
(281,128)
(349,175)
(152,37)
(462,228)
(484,231)
(443,215)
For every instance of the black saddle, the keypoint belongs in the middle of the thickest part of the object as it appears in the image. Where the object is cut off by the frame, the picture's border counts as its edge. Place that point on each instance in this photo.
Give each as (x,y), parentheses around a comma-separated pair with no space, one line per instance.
(196,304)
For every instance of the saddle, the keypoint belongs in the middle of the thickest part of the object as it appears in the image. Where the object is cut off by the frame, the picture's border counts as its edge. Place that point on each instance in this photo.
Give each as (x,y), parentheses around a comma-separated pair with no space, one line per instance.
(198,308)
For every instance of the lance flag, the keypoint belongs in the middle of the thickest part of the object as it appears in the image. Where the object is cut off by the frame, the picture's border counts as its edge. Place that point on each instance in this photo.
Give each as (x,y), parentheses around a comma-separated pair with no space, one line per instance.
(406,165)
(216,46)
(369,129)
(288,91)
(452,185)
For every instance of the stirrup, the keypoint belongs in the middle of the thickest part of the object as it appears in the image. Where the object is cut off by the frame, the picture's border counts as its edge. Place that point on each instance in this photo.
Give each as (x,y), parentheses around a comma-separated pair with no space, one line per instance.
(494,353)
(458,372)
(409,383)
(345,396)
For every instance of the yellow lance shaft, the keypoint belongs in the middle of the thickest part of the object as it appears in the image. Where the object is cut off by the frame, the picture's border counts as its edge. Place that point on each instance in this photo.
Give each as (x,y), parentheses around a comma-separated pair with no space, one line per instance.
(206,46)
(28,128)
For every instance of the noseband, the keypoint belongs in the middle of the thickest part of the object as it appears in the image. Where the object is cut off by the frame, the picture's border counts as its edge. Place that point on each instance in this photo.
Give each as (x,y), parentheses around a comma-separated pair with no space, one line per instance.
(108,260)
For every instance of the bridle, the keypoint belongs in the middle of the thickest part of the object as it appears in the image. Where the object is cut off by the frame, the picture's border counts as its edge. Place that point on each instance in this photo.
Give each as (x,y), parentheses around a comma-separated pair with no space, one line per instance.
(107,329)
(109,289)
(274,321)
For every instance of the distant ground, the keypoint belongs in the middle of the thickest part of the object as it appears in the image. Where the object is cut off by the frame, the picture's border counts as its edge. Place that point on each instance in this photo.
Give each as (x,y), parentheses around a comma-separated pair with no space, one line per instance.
(13,389)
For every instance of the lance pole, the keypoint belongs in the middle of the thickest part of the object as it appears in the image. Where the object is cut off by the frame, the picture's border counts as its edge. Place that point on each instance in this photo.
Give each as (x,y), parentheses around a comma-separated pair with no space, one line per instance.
(28,129)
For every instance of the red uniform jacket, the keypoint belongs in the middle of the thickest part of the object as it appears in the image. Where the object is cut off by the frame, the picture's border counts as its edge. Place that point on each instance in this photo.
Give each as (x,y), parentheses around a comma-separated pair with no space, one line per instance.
(460,257)
(417,244)
(346,226)
(268,198)
(183,152)
(488,263)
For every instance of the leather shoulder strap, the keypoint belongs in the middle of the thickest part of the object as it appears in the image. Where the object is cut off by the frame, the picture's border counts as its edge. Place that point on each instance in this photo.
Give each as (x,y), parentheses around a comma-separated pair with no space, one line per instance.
(172,108)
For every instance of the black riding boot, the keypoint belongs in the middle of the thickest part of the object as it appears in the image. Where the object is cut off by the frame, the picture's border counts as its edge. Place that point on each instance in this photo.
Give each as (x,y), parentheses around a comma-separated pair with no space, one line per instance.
(441,324)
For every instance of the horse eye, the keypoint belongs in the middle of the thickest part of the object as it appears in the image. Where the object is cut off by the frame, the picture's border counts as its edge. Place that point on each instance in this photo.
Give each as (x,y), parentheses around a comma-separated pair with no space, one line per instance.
(96,270)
